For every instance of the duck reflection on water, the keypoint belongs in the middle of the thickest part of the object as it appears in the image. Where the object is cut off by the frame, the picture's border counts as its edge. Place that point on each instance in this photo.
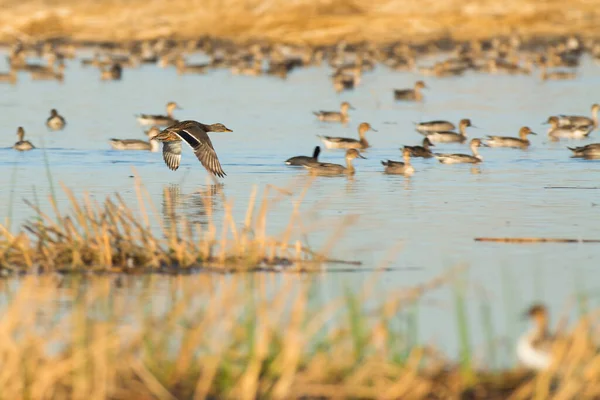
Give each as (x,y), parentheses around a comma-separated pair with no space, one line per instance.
(196,207)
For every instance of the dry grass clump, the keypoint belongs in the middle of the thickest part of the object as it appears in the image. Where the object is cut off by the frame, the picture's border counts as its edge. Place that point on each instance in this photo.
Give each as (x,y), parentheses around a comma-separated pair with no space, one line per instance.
(114,237)
(299,21)
(247,337)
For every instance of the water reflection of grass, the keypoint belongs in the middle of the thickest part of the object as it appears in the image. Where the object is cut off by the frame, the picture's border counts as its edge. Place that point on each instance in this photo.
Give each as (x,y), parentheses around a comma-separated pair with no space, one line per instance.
(116,237)
(246,337)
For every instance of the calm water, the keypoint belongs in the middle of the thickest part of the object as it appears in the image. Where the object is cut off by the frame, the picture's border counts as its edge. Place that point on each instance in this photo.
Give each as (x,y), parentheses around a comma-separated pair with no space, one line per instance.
(433,216)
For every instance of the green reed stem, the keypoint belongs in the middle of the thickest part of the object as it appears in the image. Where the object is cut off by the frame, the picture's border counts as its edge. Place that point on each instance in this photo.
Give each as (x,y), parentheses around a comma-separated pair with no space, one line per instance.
(463,327)
(488,329)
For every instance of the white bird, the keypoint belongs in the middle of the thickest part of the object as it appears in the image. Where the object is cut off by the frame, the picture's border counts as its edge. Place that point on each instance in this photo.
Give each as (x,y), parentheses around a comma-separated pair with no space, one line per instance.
(533,347)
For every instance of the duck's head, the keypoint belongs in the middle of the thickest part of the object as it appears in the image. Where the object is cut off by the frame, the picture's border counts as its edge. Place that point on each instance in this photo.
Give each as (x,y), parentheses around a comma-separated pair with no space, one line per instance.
(406,153)
(427,143)
(524,131)
(365,127)
(477,143)
(172,106)
(465,122)
(53,112)
(217,128)
(420,85)
(353,153)
(153,132)
(595,108)
(346,106)
(20,132)
(538,313)
(552,121)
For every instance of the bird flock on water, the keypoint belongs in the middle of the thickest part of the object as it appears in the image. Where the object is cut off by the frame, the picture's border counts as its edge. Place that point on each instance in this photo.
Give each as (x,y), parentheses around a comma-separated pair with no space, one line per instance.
(509,55)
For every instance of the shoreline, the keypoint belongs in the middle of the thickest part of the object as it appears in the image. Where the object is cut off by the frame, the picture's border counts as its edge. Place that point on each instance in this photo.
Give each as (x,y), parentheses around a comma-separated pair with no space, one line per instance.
(313,22)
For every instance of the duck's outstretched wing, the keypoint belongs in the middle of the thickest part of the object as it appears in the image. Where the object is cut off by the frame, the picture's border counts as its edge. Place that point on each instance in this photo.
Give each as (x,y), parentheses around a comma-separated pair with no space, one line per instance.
(172,154)
(203,148)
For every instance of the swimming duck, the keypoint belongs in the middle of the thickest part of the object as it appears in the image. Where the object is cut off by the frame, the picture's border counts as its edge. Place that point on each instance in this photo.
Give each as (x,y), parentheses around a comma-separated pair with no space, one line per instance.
(421,151)
(496,66)
(22,145)
(401,63)
(590,150)
(349,143)
(463,158)
(114,73)
(518,143)
(196,135)
(555,75)
(578,120)
(335,116)
(450,136)
(55,121)
(49,74)
(398,167)
(184,68)
(556,132)
(301,160)
(410,94)
(346,80)
(160,120)
(533,347)
(335,169)
(95,60)
(50,59)
(135,144)
(435,126)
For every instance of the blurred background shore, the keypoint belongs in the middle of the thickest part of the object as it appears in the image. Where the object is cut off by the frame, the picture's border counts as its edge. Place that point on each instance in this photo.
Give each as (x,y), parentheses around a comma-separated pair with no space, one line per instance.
(295,21)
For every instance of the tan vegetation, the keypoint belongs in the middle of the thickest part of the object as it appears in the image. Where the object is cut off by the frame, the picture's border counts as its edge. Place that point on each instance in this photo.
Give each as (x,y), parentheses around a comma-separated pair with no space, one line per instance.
(302,21)
(114,236)
(247,337)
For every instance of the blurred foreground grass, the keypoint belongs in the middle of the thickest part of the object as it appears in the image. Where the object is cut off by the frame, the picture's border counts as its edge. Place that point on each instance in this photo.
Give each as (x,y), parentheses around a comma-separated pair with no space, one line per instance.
(300,21)
(252,336)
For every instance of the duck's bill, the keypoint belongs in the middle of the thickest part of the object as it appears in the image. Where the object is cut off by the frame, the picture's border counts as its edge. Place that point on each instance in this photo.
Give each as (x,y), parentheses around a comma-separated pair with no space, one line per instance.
(351,108)
(533,133)
(374,130)
(363,157)
(228,130)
